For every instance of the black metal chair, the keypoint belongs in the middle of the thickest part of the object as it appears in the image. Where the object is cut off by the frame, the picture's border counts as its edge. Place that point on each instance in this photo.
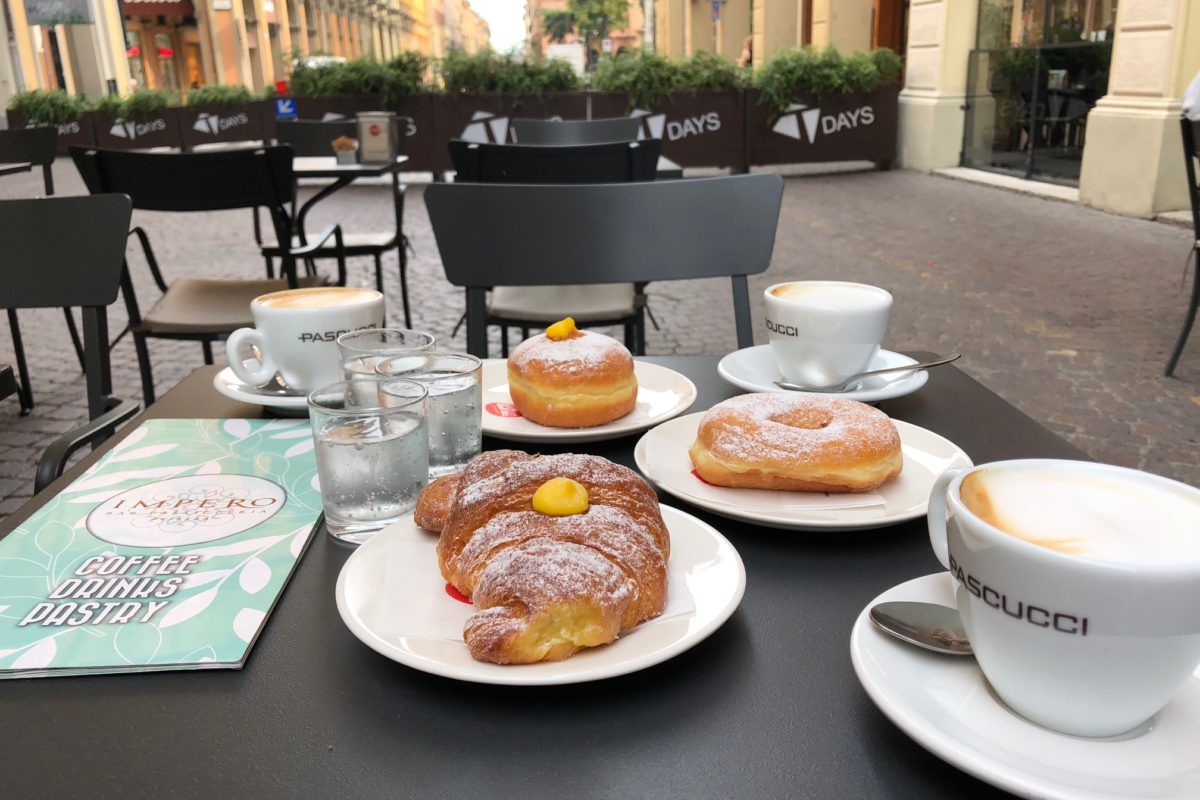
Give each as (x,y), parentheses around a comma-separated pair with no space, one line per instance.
(313,138)
(609,162)
(575,131)
(203,310)
(35,146)
(42,268)
(1190,129)
(616,233)
(595,305)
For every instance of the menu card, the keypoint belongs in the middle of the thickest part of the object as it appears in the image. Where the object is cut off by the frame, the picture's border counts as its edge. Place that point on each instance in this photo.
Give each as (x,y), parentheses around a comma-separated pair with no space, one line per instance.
(169,553)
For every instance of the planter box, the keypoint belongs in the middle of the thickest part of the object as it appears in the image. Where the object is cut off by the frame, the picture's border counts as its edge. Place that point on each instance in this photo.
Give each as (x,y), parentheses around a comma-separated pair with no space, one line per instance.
(208,124)
(318,107)
(77,133)
(415,113)
(162,130)
(484,118)
(704,129)
(837,127)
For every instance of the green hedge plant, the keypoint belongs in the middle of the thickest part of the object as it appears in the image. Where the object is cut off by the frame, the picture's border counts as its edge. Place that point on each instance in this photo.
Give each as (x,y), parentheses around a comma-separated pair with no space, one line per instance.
(144,104)
(41,107)
(487,72)
(822,72)
(650,79)
(220,95)
(389,80)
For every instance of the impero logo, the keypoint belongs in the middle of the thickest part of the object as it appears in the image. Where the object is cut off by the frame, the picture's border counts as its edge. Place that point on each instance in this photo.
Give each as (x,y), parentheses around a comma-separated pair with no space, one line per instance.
(815,122)
(123,129)
(215,123)
(184,511)
(656,126)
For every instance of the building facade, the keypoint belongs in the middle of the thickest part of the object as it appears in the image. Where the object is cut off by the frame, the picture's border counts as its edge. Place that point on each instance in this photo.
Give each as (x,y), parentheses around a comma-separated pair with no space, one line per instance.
(123,45)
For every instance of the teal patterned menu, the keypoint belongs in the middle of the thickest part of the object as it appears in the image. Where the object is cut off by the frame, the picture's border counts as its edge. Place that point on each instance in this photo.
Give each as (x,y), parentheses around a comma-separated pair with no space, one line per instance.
(168,553)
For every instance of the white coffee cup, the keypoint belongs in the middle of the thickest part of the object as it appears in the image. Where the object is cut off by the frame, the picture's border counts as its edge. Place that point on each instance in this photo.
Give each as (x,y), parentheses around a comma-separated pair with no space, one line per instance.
(295,332)
(1086,620)
(823,332)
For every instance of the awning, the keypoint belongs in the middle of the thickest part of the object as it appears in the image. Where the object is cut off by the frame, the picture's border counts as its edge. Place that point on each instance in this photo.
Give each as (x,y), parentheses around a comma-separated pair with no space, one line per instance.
(157,8)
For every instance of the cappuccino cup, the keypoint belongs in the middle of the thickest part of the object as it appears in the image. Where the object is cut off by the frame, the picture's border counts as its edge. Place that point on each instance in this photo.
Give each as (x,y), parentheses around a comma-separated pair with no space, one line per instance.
(1078,585)
(823,332)
(295,334)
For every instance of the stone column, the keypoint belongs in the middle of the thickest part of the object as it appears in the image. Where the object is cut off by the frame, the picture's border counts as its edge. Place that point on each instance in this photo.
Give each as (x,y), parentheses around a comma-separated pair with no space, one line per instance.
(941,35)
(845,24)
(776,26)
(1132,161)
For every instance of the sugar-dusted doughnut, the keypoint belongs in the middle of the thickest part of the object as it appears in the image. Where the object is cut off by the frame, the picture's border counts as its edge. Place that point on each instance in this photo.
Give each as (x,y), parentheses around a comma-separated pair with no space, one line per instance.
(802,443)
(568,378)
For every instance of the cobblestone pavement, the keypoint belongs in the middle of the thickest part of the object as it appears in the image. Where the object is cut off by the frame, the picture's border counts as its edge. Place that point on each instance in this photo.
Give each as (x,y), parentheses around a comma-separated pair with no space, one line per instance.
(1066,312)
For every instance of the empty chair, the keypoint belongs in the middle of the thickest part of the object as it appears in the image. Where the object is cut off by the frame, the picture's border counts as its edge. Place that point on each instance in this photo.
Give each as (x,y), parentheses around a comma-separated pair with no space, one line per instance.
(35,146)
(42,268)
(583,163)
(313,138)
(1191,152)
(575,131)
(201,309)
(615,233)
(526,306)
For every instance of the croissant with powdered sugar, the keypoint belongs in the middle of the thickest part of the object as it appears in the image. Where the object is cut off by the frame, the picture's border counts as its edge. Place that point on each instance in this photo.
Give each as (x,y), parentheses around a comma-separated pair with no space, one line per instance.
(558,553)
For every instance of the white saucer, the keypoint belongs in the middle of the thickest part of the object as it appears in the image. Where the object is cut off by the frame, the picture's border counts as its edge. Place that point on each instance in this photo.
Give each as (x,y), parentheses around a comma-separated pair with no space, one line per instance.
(946,706)
(754,369)
(376,596)
(232,387)
(662,456)
(662,394)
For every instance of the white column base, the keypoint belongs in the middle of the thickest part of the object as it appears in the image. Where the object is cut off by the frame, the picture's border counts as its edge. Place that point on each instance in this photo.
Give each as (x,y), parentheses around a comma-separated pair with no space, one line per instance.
(931,129)
(1133,158)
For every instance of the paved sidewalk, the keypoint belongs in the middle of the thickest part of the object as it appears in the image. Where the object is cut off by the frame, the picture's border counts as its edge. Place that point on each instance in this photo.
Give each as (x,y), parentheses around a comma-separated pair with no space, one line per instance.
(1066,312)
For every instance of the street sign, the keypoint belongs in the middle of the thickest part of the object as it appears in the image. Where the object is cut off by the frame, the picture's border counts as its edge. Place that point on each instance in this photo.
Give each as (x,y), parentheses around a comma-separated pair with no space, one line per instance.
(285,108)
(716,10)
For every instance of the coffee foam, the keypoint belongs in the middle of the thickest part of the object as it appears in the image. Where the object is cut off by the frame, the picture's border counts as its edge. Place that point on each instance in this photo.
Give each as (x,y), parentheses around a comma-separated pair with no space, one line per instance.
(1124,520)
(317,297)
(831,294)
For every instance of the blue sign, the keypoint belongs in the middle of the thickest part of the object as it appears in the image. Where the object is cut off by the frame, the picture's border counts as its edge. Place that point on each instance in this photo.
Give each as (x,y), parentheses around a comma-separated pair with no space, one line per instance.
(716,10)
(285,108)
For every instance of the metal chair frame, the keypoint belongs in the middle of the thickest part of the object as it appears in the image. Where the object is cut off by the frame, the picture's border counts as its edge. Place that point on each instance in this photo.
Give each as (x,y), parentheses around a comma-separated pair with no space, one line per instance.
(1190,130)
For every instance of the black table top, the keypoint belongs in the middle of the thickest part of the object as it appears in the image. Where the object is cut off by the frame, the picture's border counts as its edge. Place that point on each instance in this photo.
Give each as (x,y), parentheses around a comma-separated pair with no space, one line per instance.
(767,707)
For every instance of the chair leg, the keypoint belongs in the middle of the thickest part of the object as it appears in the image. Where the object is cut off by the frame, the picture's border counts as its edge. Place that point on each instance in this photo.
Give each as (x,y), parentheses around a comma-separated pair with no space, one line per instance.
(504,341)
(524,332)
(75,340)
(640,330)
(25,390)
(457,326)
(379,273)
(270,267)
(206,345)
(404,292)
(629,336)
(1188,321)
(143,356)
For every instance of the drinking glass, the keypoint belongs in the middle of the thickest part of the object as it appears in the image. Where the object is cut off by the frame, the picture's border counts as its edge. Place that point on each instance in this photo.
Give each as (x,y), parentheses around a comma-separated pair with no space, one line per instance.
(372,449)
(361,351)
(455,410)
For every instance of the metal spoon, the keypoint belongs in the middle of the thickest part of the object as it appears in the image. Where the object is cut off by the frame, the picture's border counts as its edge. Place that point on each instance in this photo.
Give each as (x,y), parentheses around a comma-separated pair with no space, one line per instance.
(928,625)
(841,387)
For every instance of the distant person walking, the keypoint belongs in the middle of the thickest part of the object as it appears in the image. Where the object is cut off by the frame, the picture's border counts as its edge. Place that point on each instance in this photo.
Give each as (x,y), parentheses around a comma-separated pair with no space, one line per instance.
(747,57)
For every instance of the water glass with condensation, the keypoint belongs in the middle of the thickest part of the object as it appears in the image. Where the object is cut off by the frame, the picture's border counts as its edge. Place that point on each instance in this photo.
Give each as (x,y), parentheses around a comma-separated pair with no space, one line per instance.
(362,351)
(455,405)
(372,446)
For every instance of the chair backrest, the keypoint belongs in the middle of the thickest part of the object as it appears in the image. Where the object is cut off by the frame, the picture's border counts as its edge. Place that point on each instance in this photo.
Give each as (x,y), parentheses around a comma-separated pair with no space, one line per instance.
(611,233)
(612,162)
(210,181)
(1191,153)
(63,252)
(313,137)
(576,131)
(36,146)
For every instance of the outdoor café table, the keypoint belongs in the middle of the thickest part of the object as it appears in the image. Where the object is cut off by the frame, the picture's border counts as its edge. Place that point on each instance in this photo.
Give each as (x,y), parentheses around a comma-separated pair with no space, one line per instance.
(342,175)
(12,169)
(767,707)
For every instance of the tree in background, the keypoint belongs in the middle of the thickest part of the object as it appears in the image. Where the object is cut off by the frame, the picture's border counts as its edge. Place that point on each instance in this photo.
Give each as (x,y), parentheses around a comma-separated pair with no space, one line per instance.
(595,18)
(558,24)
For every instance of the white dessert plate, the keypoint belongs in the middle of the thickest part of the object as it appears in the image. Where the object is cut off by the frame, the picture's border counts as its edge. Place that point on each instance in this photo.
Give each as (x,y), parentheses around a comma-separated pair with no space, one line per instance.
(754,369)
(945,704)
(662,456)
(662,394)
(234,388)
(377,598)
